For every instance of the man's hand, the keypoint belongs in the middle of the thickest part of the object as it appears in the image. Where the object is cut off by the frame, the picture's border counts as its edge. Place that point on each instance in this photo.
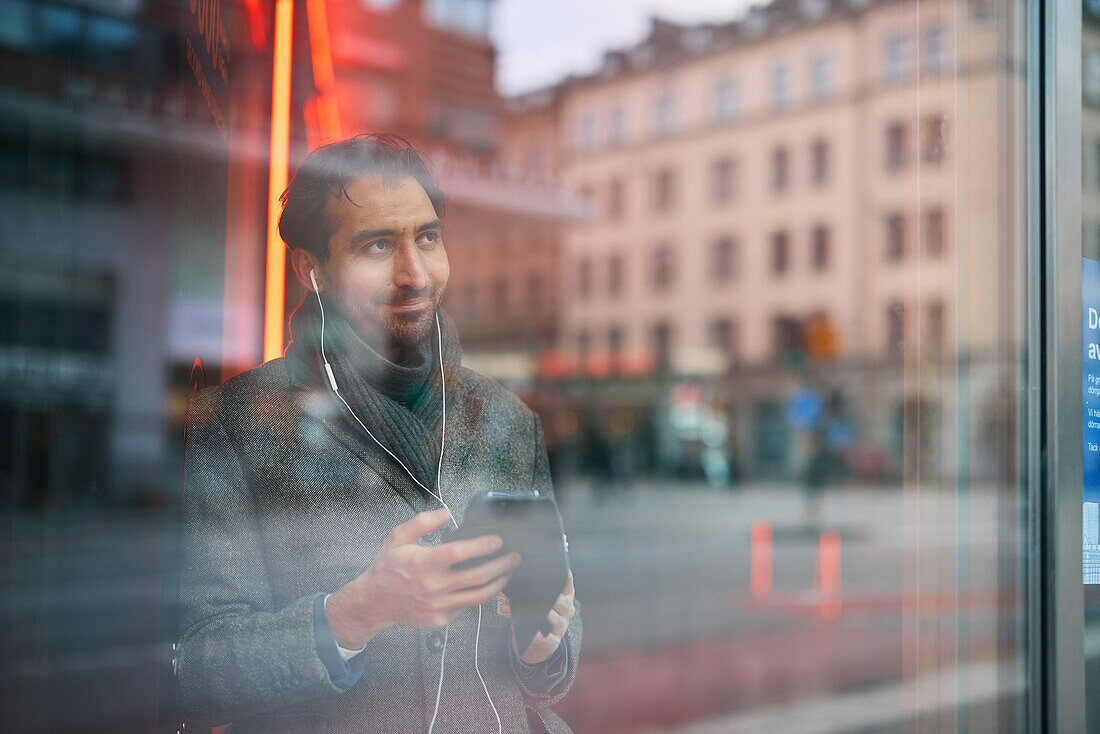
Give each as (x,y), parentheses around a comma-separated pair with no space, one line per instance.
(543,646)
(415,585)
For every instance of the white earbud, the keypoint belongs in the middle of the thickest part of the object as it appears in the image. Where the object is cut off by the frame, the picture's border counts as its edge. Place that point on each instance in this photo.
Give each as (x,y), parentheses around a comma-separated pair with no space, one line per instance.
(313,278)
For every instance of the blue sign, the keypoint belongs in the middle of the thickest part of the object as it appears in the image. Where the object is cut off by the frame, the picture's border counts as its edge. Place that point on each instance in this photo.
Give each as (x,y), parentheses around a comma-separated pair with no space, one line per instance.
(804,409)
(1090,387)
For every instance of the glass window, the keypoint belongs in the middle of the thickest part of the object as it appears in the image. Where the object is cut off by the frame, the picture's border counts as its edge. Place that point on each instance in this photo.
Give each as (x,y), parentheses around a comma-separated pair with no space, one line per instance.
(896,144)
(895,237)
(617,134)
(935,48)
(821,244)
(725,101)
(664,189)
(787,423)
(780,169)
(781,87)
(664,267)
(821,76)
(897,64)
(664,115)
(819,169)
(723,180)
(781,253)
(723,260)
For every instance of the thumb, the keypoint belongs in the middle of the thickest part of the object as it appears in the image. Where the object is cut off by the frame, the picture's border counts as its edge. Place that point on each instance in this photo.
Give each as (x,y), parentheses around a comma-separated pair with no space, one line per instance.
(421,524)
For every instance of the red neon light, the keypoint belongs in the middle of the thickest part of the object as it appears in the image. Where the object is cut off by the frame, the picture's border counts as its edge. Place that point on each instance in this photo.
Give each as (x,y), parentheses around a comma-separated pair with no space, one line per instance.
(255,22)
(324,77)
(275,292)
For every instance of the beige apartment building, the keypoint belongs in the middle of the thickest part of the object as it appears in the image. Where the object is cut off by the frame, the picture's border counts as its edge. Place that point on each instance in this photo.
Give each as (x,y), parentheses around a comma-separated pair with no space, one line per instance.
(821,162)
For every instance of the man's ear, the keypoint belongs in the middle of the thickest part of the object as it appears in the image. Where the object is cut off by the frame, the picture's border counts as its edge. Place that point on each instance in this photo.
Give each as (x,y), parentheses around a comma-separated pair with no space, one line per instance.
(302,261)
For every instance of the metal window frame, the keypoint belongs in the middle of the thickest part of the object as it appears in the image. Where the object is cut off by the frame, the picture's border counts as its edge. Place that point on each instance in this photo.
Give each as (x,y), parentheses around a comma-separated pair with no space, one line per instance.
(1055,620)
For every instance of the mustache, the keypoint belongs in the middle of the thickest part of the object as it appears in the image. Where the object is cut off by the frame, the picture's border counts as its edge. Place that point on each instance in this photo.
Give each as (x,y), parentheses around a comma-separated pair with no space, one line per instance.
(405,294)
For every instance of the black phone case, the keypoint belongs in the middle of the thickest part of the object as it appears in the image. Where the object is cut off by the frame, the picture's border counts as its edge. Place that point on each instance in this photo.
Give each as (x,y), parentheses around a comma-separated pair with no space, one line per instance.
(527,523)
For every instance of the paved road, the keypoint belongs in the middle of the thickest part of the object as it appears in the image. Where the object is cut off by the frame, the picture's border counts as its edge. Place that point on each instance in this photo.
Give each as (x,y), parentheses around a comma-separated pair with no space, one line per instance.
(672,636)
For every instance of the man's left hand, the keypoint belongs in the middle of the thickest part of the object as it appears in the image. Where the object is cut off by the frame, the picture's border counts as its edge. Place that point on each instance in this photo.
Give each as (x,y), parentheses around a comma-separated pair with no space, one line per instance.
(543,646)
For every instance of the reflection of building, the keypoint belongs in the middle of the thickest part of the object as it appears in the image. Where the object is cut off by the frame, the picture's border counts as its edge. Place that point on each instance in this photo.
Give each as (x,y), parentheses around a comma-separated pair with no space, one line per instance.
(425,69)
(814,159)
(94,118)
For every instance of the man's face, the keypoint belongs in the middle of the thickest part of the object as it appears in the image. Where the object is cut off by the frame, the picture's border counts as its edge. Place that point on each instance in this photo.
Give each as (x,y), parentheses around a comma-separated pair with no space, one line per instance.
(387,269)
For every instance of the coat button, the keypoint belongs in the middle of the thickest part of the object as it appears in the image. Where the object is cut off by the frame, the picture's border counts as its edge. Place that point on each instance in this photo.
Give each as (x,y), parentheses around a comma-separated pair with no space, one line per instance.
(435,640)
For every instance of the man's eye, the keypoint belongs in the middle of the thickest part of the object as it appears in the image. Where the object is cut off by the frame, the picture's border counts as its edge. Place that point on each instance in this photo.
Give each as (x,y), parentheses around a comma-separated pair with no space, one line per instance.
(377,246)
(429,238)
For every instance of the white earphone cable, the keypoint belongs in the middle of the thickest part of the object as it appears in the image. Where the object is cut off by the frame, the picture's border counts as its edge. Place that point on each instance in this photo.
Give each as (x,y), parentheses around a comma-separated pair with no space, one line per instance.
(439,486)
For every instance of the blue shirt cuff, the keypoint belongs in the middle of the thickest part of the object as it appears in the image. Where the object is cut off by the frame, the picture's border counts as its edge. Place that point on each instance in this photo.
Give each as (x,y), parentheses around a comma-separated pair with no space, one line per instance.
(544,677)
(343,674)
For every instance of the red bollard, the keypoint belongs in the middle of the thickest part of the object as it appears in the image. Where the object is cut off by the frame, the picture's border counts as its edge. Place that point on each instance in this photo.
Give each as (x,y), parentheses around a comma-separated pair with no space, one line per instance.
(828,574)
(760,559)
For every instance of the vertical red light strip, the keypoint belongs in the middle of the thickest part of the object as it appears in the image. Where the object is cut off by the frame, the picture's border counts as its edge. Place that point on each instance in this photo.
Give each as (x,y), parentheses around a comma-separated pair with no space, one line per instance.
(255,22)
(324,78)
(275,292)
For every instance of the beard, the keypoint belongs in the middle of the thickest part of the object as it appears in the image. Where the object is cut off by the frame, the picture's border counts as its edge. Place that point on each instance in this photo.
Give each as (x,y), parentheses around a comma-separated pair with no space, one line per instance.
(387,328)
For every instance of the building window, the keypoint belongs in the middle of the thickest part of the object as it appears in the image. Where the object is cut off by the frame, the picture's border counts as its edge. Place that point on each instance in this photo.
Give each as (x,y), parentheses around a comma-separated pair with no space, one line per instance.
(723,180)
(664,267)
(616,128)
(819,168)
(895,328)
(897,57)
(615,199)
(722,335)
(895,237)
(586,133)
(661,336)
(932,143)
(895,146)
(615,342)
(935,326)
(821,245)
(584,344)
(725,101)
(723,260)
(616,275)
(781,254)
(584,278)
(821,78)
(781,164)
(782,95)
(935,48)
(664,189)
(786,335)
(664,115)
(933,232)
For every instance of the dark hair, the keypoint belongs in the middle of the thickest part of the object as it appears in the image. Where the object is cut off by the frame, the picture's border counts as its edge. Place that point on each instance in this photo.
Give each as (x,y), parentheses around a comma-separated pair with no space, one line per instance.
(328,170)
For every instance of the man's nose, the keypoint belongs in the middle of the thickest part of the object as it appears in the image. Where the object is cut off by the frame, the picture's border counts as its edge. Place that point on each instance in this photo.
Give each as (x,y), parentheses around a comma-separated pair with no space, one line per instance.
(409,269)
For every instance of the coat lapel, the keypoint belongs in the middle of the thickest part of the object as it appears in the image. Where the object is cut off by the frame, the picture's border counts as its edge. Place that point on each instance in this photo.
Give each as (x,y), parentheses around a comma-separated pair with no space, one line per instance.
(463,416)
(324,406)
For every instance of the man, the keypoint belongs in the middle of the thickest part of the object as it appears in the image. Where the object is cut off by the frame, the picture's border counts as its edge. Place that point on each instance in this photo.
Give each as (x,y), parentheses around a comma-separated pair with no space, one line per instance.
(317,592)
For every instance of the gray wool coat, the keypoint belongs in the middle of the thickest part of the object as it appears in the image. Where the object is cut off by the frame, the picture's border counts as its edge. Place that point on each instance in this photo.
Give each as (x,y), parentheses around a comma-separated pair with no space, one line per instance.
(286,499)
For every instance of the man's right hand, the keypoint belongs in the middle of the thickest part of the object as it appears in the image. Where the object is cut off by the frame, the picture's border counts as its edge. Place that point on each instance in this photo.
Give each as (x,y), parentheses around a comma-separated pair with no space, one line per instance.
(415,585)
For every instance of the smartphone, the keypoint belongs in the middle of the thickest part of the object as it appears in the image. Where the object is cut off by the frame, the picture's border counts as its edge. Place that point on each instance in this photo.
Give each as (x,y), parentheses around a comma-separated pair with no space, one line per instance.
(527,523)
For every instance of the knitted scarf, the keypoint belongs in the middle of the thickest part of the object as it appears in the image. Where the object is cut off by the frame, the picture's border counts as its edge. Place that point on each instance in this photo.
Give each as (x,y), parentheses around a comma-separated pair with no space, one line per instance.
(401,404)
